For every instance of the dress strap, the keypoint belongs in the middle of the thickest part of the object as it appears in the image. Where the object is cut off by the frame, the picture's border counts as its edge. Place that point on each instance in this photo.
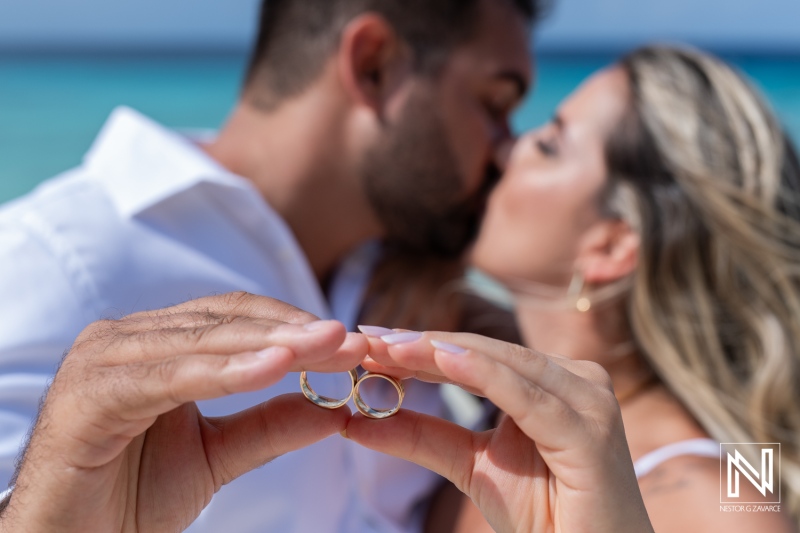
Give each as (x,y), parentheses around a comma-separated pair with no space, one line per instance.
(698,447)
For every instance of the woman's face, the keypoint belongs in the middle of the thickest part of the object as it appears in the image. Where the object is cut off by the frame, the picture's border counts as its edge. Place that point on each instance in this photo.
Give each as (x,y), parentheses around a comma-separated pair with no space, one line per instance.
(542,213)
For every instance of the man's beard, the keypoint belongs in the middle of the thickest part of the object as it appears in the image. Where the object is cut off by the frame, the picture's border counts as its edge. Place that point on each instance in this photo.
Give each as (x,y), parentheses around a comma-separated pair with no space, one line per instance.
(413,183)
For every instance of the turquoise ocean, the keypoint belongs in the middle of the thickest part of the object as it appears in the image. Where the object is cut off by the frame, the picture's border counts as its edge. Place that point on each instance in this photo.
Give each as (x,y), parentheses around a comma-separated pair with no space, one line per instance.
(51,107)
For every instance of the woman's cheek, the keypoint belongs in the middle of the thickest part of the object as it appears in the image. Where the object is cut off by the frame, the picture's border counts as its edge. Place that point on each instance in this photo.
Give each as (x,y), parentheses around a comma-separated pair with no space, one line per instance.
(517,218)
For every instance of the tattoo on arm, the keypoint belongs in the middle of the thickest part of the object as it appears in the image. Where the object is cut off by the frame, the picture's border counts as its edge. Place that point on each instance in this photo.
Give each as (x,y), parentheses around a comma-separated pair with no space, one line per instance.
(673,478)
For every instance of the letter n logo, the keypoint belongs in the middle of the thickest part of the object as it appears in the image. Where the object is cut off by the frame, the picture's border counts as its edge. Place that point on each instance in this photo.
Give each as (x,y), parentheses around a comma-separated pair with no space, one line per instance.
(736,470)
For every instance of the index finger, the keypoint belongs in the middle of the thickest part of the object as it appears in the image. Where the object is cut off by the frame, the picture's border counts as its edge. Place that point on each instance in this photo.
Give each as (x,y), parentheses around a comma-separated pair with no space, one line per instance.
(415,353)
(234,304)
(106,345)
(383,361)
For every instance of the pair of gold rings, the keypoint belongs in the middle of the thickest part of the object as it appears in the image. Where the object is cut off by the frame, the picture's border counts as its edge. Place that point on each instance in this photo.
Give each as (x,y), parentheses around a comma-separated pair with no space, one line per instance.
(361,405)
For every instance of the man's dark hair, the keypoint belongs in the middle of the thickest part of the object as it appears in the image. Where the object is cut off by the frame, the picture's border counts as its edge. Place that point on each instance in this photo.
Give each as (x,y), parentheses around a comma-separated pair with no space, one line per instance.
(296,37)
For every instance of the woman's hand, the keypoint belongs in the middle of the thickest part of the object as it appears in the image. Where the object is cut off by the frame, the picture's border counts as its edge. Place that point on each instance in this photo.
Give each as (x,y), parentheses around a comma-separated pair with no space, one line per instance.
(558,461)
(120,444)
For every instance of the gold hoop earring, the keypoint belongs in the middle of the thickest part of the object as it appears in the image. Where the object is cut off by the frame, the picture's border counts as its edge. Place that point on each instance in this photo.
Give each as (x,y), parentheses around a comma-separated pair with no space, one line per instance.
(582,303)
(324,401)
(368,411)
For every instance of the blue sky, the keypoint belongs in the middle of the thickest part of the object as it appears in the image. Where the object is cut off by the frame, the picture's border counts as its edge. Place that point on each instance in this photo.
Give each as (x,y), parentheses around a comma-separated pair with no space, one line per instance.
(228,24)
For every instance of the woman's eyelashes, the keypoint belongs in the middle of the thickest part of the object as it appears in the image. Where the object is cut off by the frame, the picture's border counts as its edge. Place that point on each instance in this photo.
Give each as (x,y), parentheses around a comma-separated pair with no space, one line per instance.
(548,147)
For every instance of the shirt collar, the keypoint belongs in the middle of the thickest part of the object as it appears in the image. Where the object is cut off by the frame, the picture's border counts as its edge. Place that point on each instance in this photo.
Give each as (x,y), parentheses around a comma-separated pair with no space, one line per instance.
(143,163)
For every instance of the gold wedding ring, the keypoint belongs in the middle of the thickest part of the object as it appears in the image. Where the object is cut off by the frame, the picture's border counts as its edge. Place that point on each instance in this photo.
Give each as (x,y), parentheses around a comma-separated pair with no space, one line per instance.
(361,405)
(324,401)
(368,411)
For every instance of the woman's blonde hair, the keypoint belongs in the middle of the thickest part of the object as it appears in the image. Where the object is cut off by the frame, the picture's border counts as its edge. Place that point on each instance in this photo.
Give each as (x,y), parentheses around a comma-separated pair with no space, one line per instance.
(701,168)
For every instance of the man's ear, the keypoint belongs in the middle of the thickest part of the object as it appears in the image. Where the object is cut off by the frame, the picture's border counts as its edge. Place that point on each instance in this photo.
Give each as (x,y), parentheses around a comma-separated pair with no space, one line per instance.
(609,252)
(372,60)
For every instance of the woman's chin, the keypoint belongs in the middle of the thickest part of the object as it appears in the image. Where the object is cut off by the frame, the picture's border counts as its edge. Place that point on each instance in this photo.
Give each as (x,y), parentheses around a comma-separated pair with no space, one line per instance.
(475,254)
(490,248)
(481,258)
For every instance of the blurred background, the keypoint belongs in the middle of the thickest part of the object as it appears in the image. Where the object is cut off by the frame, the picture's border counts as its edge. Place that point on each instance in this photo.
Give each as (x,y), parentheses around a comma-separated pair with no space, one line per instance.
(65,65)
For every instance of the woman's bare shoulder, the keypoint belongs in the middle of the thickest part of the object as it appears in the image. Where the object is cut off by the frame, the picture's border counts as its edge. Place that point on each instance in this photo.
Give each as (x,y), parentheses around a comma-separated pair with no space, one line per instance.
(683,493)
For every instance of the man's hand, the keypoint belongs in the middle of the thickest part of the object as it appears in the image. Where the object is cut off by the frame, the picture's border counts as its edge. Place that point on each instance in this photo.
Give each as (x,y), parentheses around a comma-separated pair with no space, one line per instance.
(120,444)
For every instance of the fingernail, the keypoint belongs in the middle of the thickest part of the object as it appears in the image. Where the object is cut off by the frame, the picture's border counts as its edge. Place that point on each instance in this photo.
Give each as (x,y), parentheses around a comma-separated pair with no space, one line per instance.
(343,433)
(375,331)
(319,324)
(447,347)
(269,353)
(406,337)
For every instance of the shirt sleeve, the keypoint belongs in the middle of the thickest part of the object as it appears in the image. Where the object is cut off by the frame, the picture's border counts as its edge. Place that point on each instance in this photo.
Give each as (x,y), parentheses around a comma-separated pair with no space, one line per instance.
(40,316)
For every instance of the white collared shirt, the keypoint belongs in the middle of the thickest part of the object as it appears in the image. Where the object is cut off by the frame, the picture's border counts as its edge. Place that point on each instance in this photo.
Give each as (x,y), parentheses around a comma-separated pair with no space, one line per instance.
(149,221)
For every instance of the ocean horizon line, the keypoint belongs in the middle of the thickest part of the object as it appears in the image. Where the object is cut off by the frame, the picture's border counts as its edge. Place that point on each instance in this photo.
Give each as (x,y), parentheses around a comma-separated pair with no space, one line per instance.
(560,51)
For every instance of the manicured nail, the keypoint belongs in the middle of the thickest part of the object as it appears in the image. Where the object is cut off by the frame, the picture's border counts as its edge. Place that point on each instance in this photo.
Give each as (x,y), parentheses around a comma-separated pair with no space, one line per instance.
(406,337)
(375,331)
(449,348)
(319,324)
